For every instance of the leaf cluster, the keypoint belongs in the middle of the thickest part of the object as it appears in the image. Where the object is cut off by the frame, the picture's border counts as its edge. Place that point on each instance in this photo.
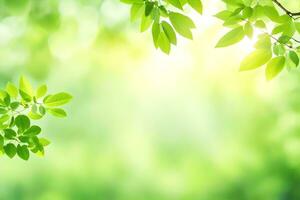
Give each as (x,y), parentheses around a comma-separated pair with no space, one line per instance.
(166,19)
(19,107)
(275,28)
(276,46)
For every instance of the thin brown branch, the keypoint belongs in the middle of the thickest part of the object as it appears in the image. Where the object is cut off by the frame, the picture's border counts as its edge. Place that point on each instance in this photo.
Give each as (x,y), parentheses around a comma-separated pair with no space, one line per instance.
(277,40)
(298,41)
(288,12)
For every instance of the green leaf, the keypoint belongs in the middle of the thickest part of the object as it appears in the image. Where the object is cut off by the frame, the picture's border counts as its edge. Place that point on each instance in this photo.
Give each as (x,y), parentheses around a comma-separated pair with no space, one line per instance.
(7,100)
(256,59)
(175,3)
(12,90)
(3,94)
(14,105)
(224,15)
(164,43)
(272,13)
(137,10)
(57,112)
(233,21)
(12,122)
(22,122)
(278,29)
(258,12)
(25,86)
(237,11)
(42,110)
(279,49)
(294,57)
(182,24)
(40,151)
(24,139)
(247,12)
(57,99)
(274,67)
(156,14)
(38,147)
(284,39)
(26,97)
(9,133)
(232,37)
(34,108)
(155,33)
(146,22)
(289,27)
(4,118)
(169,31)
(248,29)
(163,11)
(41,91)
(34,116)
(3,111)
(196,4)
(10,150)
(44,142)
(260,24)
(264,42)
(33,130)
(23,152)
(149,7)
(1,141)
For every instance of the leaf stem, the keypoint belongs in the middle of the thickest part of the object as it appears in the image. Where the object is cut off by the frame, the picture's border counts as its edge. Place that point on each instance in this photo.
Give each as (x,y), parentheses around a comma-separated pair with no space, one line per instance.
(288,12)
(277,40)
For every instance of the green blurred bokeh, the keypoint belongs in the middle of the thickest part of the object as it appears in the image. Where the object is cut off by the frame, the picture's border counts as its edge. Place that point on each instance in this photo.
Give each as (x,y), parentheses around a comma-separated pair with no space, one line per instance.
(143,125)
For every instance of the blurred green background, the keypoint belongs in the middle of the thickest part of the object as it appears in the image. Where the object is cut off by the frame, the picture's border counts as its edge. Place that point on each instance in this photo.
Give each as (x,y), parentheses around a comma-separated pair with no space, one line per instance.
(144,125)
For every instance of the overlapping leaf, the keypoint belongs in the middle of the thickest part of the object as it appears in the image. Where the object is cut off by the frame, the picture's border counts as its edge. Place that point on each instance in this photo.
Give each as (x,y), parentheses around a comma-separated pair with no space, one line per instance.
(278,29)
(166,18)
(18,107)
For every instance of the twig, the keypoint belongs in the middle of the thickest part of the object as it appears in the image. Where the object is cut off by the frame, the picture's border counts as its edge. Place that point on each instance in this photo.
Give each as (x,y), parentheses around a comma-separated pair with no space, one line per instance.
(288,12)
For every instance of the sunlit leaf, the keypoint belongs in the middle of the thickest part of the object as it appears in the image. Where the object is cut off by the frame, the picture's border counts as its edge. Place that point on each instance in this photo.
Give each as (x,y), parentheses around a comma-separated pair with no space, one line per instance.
(232,37)
(12,90)
(256,59)
(57,99)
(182,24)
(196,4)
(274,67)
(57,112)
(41,91)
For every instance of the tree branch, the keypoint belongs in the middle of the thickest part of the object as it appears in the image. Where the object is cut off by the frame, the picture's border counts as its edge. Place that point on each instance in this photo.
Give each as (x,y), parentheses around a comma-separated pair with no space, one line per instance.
(288,12)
